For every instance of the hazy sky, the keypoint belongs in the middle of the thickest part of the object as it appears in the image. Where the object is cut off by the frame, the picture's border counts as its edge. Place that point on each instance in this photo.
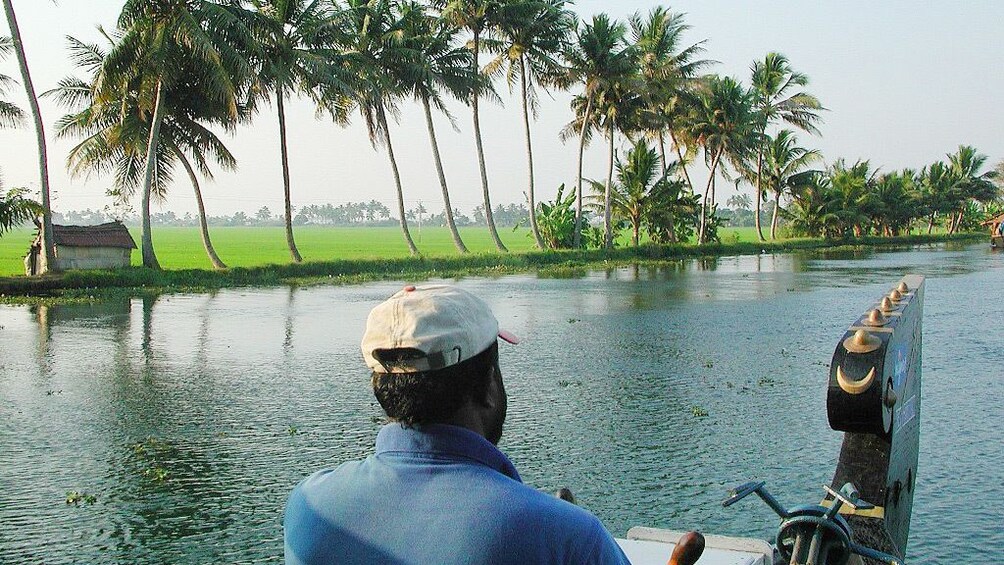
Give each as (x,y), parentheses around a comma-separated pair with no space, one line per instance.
(904,83)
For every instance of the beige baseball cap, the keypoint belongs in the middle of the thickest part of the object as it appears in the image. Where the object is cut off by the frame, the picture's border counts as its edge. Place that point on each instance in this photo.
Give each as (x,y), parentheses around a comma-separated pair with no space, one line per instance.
(446,324)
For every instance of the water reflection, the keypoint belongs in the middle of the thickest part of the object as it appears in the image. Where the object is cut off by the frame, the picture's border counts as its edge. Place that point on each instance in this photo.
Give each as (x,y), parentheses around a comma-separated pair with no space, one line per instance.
(190,417)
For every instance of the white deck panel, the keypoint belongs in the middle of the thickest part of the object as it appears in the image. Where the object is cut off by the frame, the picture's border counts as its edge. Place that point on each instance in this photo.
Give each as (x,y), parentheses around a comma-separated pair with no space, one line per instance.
(650,546)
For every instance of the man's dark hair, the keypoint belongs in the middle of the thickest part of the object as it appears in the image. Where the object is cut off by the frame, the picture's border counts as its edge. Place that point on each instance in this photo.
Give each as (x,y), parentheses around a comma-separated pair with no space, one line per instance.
(433,397)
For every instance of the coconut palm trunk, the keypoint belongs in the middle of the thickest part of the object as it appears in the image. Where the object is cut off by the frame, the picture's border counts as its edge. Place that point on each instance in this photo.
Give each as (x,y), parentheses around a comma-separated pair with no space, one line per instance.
(529,156)
(608,240)
(382,117)
(284,152)
(457,242)
(203,226)
(577,241)
(489,215)
(149,256)
(774,215)
(48,254)
(759,193)
(662,152)
(707,194)
(683,164)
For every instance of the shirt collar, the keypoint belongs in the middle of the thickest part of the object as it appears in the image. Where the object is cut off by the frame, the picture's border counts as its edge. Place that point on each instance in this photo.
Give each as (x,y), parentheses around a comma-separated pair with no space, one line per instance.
(443,439)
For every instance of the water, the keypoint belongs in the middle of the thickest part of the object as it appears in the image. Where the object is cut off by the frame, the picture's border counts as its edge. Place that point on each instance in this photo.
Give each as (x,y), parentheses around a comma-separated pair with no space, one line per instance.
(189,418)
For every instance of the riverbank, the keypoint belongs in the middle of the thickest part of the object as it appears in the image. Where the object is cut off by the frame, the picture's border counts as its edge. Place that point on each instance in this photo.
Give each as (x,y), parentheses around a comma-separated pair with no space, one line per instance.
(87,285)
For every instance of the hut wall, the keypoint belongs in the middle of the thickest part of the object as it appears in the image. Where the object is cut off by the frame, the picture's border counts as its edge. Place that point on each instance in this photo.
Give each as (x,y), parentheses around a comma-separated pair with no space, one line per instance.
(91,257)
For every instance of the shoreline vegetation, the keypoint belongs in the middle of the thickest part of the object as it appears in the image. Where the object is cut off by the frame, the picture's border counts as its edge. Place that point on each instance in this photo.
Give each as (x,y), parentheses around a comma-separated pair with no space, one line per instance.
(76,286)
(148,101)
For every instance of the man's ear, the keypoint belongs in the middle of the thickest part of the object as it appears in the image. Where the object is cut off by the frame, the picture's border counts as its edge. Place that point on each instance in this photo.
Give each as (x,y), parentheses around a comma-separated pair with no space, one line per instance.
(491,393)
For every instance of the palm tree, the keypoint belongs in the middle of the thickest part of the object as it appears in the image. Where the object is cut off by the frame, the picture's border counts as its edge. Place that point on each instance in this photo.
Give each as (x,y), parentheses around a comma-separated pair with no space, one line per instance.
(158,39)
(895,202)
(15,209)
(739,202)
(813,209)
(476,16)
(10,114)
(432,63)
(368,35)
(641,187)
(936,187)
(724,126)
(291,55)
(532,37)
(784,168)
(970,184)
(48,254)
(603,62)
(852,197)
(773,82)
(669,76)
(115,134)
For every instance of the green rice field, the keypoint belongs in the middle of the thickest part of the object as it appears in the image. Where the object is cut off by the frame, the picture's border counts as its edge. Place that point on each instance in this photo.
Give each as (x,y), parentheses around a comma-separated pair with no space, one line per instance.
(181,247)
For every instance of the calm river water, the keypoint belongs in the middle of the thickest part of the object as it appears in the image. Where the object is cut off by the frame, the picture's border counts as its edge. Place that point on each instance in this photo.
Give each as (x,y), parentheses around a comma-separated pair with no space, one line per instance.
(183,422)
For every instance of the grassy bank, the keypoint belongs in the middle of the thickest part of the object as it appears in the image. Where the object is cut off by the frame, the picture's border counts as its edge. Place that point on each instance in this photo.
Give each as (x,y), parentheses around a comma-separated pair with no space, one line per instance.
(84,284)
(181,248)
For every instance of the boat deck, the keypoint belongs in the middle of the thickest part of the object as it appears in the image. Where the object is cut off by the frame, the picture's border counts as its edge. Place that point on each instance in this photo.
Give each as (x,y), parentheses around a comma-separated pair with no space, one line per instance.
(645,546)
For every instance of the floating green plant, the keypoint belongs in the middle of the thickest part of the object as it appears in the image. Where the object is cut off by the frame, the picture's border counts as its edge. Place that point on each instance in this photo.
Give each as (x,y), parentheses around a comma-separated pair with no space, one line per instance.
(698,412)
(156,474)
(76,497)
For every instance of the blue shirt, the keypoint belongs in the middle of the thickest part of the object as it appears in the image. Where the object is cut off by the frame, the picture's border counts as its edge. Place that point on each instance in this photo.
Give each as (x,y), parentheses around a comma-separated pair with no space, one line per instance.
(437,495)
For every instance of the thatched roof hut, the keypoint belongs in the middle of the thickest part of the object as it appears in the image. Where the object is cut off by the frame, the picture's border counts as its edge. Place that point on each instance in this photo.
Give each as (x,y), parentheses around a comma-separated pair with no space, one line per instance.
(104,246)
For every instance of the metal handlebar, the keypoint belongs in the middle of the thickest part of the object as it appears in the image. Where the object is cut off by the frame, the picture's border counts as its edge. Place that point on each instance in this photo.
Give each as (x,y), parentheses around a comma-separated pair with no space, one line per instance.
(830,535)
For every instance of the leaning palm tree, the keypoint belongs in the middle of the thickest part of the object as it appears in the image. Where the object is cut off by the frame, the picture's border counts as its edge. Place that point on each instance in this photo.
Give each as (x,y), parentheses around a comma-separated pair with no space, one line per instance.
(433,64)
(292,54)
(668,77)
(531,39)
(669,74)
(477,17)
(785,168)
(775,84)
(369,36)
(48,254)
(601,60)
(115,134)
(724,126)
(158,39)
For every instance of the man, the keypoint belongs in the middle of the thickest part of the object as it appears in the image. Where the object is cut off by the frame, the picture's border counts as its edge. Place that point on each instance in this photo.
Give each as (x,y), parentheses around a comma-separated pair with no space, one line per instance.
(437,490)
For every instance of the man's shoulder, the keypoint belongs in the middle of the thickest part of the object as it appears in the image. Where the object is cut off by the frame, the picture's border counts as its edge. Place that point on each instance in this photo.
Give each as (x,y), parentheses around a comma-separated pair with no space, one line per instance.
(530,506)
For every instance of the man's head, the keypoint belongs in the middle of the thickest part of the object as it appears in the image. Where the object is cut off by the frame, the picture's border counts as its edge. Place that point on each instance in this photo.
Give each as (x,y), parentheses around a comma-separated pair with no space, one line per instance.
(433,351)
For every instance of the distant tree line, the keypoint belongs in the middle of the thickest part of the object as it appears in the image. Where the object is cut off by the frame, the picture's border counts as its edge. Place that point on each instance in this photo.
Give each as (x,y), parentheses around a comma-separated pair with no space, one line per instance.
(372,213)
(169,74)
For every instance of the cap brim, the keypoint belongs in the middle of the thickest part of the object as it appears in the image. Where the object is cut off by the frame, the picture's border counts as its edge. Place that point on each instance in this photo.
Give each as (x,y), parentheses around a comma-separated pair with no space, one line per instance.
(508,337)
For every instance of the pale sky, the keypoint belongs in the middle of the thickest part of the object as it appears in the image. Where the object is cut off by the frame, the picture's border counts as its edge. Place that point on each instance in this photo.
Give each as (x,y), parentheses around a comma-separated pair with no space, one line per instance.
(904,83)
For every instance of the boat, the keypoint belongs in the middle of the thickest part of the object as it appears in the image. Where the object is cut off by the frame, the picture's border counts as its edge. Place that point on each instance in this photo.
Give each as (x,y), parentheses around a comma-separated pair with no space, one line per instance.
(863,517)
(996,231)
